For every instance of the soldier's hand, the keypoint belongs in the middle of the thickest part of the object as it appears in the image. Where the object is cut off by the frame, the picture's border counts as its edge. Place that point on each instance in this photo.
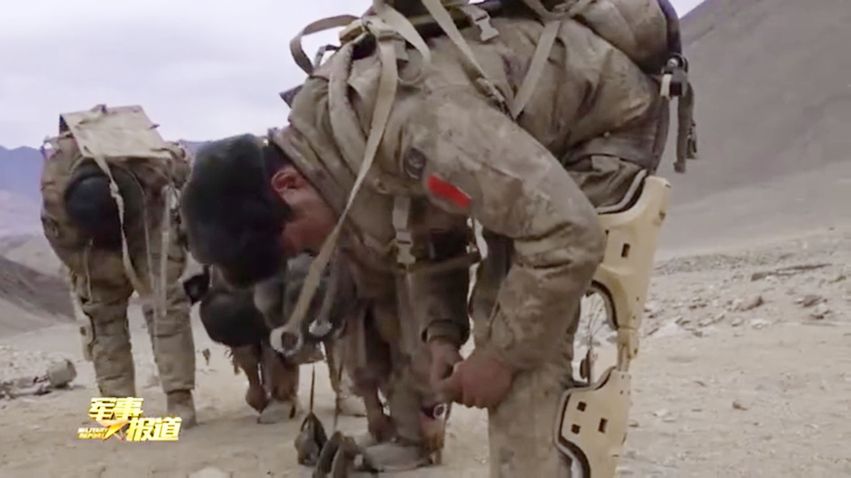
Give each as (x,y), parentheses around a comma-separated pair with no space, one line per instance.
(481,381)
(444,356)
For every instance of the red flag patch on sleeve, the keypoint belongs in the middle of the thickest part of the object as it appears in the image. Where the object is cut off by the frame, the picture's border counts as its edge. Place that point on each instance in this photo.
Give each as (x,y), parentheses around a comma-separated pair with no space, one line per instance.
(448,192)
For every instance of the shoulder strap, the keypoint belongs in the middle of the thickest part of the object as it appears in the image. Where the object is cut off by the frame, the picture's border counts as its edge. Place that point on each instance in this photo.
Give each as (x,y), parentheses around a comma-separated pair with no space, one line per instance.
(321,25)
(536,68)
(387,85)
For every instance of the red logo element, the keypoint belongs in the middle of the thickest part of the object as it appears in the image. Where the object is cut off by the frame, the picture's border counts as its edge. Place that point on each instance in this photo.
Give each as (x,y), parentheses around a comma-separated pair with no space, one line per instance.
(448,191)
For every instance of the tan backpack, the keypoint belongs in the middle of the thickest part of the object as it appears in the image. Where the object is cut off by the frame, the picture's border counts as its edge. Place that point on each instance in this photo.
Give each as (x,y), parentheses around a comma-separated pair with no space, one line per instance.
(113,137)
(647,31)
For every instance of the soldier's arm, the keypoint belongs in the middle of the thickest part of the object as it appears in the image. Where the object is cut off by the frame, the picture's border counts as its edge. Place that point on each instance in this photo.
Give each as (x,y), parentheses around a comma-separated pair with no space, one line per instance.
(480,163)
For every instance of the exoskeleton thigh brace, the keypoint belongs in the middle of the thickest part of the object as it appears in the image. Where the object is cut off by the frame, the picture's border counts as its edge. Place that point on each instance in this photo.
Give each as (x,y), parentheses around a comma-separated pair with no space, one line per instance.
(592,422)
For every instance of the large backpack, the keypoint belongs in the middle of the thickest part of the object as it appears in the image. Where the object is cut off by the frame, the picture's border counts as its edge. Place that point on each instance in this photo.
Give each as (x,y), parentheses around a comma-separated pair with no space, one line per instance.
(123,144)
(647,31)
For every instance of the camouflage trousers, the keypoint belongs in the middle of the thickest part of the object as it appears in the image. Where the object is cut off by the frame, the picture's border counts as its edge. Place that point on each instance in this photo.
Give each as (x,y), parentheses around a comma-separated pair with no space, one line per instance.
(104,297)
(521,430)
(382,355)
(280,378)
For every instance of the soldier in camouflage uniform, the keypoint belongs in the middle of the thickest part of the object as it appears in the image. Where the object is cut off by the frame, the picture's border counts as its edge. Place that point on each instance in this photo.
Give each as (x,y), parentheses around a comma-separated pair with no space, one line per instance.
(231,317)
(450,153)
(81,223)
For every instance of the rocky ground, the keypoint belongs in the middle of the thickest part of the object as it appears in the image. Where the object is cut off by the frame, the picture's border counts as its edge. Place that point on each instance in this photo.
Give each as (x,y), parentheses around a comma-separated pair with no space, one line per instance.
(745,371)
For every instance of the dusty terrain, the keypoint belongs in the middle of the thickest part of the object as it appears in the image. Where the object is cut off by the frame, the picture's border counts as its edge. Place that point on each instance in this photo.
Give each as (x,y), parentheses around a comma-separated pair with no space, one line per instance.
(745,371)
(745,367)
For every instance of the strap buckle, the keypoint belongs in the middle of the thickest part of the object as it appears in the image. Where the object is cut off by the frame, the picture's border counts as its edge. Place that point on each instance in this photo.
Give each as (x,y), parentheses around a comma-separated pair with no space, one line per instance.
(404,237)
(674,77)
(482,20)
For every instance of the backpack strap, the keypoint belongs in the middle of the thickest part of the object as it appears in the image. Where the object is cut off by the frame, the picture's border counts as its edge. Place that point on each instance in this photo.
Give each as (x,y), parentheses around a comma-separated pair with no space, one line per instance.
(675,83)
(387,86)
(536,68)
(552,23)
(320,25)
(447,24)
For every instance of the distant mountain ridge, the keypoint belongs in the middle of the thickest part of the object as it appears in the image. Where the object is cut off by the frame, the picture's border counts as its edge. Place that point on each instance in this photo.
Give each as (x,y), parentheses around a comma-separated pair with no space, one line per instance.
(20,169)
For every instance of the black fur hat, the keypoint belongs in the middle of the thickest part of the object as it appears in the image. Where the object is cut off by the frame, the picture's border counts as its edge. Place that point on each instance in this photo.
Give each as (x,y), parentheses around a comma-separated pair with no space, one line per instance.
(232,216)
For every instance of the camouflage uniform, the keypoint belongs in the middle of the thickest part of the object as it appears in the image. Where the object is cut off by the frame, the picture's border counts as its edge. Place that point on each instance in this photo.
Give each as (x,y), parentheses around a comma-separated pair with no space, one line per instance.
(268,372)
(100,284)
(456,155)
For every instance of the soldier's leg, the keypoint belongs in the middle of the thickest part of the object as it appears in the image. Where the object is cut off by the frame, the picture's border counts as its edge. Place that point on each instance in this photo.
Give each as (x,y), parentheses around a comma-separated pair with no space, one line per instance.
(521,430)
(348,402)
(280,379)
(105,305)
(366,359)
(171,335)
(248,359)
(406,392)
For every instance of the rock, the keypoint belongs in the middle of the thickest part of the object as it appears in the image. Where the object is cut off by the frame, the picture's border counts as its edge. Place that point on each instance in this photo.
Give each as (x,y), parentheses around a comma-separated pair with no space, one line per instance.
(661,413)
(697,304)
(750,304)
(651,309)
(624,470)
(206,354)
(759,323)
(712,320)
(210,472)
(669,330)
(61,373)
(737,405)
(633,424)
(737,322)
(838,279)
(820,312)
(810,300)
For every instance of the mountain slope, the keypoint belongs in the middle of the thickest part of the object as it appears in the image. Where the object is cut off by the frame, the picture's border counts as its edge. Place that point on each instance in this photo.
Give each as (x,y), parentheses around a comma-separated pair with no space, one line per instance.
(20,169)
(773,83)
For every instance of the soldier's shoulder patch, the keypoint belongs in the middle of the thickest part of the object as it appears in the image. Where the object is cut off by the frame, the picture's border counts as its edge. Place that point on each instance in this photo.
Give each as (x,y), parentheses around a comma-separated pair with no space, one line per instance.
(445,190)
(414,163)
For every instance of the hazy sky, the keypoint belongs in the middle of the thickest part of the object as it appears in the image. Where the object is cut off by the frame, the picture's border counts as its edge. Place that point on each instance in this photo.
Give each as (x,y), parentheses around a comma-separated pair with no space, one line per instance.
(201,69)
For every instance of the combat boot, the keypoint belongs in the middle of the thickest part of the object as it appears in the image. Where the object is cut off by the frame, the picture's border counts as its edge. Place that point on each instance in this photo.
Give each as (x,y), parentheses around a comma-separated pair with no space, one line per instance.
(395,456)
(351,405)
(180,404)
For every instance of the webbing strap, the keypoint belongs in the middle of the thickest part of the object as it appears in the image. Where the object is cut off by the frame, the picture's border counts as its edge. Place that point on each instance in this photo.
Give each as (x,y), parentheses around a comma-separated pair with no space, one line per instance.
(320,25)
(125,248)
(387,85)
(165,245)
(444,20)
(536,67)
(686,129)
(404,237)
(401,25)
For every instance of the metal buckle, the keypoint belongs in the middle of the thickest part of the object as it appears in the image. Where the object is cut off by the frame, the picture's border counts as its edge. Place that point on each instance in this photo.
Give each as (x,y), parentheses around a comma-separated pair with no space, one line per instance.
(482,20)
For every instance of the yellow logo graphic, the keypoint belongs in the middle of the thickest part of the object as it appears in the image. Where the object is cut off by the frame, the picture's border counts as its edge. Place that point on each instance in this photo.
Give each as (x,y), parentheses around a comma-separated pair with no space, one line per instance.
(122,418)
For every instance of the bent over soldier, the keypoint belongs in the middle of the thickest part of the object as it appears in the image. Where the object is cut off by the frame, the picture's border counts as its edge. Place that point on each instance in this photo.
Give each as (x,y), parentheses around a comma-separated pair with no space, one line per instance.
(106,187)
